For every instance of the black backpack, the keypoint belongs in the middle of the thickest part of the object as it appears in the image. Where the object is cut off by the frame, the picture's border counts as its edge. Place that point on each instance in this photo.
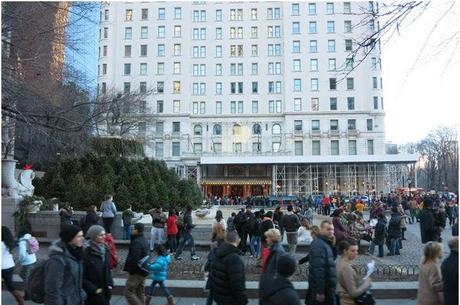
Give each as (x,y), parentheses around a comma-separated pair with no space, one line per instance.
(36,285)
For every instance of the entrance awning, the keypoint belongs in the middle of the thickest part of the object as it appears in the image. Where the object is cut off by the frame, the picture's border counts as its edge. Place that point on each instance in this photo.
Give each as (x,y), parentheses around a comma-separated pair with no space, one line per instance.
(235,181)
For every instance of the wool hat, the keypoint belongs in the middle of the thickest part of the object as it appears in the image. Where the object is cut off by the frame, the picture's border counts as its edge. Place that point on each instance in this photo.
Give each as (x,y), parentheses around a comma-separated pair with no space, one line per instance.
(68,232)
(139,227)
(286,265)
(94,231)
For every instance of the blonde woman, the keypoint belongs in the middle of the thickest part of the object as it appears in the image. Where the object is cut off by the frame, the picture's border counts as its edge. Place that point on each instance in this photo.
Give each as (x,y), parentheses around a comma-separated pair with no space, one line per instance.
(273,237)
(429,278)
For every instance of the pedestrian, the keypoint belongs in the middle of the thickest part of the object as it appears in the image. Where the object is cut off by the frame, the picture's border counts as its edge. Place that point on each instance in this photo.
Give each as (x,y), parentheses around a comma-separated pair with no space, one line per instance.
(220,238)
(380,233)
(273,240)
(340,232)
(277,216)
(8,264)
(326,203)
(27,259)
(110,243)
(66,214)
(127,217)
(219,219)
(449,271)
(231,222)
(349,283)
(90,219)
(308,214)
(247,221)
(322,272)
(138,249)
(279,289)
(430,290)
(186,236)
(172,230)
(159,274)
(266,225)
(394,231)
(428,230)
(314,233)
(64,269)
(97,280)
(228,273)
(256,240)
(290,222)
(109,212)
(157,233)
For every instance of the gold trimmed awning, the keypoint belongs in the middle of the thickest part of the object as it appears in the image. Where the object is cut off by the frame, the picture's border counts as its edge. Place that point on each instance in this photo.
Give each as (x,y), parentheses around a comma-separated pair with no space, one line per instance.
(234,180)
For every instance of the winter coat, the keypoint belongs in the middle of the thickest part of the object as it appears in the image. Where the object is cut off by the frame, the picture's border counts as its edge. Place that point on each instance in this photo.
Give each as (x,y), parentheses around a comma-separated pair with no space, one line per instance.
(348,282)
(228,276)
(160,268)
(449,270)
(171,225)
(231,224)
(97,275)
(340,231)
(428,230)
(108,209)
(158,218)
(322,271)
(429,284)
(380,232)
(271,264)
(127,217)
(394,226)
(290,222)
(63,277)
(278,290)
(304,236)
(91,219)
(138,249)
(265,225)
(188,222)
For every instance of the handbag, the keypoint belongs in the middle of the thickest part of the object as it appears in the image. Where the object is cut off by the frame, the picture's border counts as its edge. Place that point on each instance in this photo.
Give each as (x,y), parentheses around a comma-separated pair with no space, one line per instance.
(365,299)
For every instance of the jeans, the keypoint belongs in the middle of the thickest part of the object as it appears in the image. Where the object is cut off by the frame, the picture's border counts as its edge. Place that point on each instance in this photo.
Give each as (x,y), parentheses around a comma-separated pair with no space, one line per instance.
(172,240)
(126,232)
(186,238)
(256,245)
(134,289)
(156,237)
(25,273)
(372,248)
(107,221)
(394,246)
(165,289)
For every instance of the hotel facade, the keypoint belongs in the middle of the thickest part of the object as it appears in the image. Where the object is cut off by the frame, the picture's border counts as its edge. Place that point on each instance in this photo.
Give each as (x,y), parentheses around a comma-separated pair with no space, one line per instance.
(255,98)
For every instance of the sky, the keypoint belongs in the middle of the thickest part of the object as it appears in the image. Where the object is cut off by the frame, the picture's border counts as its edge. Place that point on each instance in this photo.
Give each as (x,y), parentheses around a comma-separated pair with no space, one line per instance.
(420,89)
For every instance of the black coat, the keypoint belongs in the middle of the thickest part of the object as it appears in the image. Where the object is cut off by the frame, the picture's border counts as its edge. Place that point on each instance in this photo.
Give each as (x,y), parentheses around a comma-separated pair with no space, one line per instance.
(138,249)
(449,270)
(290,222)
(91,219)
(278,291)
(276,250)
(380,232)
(428,230)
(97,275)
(322,275)
(394,226)
(265,225)
(228,278)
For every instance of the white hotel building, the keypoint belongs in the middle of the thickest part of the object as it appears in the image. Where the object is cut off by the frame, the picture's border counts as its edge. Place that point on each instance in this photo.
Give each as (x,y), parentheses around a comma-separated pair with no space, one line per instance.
(255,98)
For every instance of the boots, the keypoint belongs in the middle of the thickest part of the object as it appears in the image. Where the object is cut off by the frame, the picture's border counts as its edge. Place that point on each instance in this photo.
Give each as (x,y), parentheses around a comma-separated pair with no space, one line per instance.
(18,297)
(170,301)
(147,300)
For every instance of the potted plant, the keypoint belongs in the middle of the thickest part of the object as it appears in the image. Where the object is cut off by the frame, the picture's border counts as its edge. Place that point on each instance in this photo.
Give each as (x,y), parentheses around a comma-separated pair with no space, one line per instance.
(29,204)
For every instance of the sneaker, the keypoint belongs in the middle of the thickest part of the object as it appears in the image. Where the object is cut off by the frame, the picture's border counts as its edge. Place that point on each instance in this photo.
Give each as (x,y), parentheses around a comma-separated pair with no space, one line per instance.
(195,257)
(179,258)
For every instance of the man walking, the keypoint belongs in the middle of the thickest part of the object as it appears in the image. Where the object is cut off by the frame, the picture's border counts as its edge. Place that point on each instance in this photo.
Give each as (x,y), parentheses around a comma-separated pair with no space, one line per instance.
(322,277)
(228,274)
(290,222)
(186,236)
(134,290)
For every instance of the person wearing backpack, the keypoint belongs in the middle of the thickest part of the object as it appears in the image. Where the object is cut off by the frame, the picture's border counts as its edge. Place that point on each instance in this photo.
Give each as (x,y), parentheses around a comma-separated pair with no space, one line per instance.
(97,280)
(63,271)
(28,246)
(8,264)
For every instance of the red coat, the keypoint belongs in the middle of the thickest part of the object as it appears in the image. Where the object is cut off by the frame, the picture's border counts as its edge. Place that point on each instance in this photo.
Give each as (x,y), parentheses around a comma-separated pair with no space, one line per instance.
(113,251)
(326,200)
(171,225)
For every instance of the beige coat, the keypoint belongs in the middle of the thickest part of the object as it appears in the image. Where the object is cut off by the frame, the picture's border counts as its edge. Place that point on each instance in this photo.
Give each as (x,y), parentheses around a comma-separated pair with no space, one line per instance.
(429,284)
(348,280)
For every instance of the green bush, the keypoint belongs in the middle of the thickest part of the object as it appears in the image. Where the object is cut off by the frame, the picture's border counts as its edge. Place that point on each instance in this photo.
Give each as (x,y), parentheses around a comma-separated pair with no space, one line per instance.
(143,183)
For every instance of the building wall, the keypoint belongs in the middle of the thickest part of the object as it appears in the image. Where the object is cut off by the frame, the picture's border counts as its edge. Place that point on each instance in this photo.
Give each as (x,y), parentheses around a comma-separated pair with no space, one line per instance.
(113,78)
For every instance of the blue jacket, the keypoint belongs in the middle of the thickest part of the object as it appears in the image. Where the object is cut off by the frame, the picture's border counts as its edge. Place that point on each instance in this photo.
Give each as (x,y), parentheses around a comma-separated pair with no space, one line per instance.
(160,268)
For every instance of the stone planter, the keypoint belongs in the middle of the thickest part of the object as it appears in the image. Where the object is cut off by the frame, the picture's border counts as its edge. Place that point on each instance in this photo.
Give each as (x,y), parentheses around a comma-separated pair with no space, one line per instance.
(8,171)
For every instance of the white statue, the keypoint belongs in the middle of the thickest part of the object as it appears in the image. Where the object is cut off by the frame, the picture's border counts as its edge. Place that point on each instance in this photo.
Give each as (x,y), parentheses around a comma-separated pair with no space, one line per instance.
(25,187)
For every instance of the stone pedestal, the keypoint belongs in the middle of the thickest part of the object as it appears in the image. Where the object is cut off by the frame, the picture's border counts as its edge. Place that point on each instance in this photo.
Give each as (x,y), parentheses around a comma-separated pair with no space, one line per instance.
(9,206)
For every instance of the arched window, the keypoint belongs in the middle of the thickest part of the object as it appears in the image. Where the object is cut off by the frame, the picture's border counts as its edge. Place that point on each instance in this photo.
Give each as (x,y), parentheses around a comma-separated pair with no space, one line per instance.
(237,129)
(217,129)
(276,129)
(197,130)
(256,129)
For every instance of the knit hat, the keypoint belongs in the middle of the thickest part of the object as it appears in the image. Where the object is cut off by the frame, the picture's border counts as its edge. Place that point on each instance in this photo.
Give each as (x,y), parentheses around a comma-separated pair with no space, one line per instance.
(286,265)
(139,227)
(94,231)
(68,232)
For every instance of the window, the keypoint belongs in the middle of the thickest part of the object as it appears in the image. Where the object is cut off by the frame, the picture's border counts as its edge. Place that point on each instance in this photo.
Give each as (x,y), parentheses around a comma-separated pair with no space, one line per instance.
(298,148)
(334,125)
(218,15)
(159,149)
(334,147)
(295,11)
(332,64)
(297,104)
(274,87)
(376,102)
(351,103)
(330,8)
(202,107)
(330,27)
(371,25)
(347,7)
(333,103)
(332,84)
(143,87)
(276,129)
(143,69)
(314,86)
(297,125)
(313,46)
(161,14)
(255,87)
(296,28)
(352,147)
(161,50)
(176,67)
(176,106)
(129,15)
(312,28)
(256,146)
(144,32)
(348,45)
(370,125)
(350,83)
(315,148)
(176,127)
(315,125)
(254,32)
(127,70)
(351,124)
(254,68)
(175,149)
(297,85)
(233,107)
(197,148)
(296,46)
(177,49)
(104,69)
(128,33)
(126,88)
(349,64)
(161,32)
(217,129)
(106,15)
(177,13)
(381,101)
(177,31)
(159,127)
(218,88)
(127,51)
(218,51)
(274,49)
(370,147)
(331,46)
(374,82)
(296,65)
(160,87)
(106,32)
(143,50)
(176,87)
(218,33)
(253,14)
(274,106)
(373,63)
(144,14)
(313,64)
(236,129)
(237,147)
(240,106)
(218,69)
(254,50)
(314,104)
(311,8)
(255,106)
(347,26)
(160,106)
(218,107)
(217,147)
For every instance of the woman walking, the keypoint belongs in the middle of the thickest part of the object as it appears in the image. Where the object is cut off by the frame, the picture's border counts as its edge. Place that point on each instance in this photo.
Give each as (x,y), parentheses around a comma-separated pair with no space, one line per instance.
(172,230)
(429,279)
(109,212)
(8,265)
(27,257)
